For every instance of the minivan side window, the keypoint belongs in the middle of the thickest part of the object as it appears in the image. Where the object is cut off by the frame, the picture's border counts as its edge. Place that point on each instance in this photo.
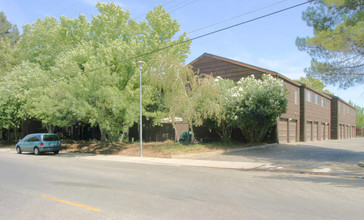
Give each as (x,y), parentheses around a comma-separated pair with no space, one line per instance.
(51,137)
(33,139)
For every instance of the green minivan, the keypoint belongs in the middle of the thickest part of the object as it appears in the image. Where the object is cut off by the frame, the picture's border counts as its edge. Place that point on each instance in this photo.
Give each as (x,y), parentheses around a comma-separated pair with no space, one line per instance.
(39,143)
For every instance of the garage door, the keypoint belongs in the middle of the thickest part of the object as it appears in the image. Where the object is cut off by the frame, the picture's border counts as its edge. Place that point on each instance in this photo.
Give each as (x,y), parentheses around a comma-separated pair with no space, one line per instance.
(347,131)
(308,131)
(322,131)
(315,131)
(340,132)
(293,131)
(283,130)
(326,131)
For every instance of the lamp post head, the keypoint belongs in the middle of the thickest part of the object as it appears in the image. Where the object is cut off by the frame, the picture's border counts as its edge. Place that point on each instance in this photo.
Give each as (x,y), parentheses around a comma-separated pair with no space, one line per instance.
(140,64)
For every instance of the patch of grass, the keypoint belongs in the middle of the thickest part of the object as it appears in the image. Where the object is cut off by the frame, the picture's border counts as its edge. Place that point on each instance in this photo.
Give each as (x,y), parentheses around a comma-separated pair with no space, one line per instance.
(164,149)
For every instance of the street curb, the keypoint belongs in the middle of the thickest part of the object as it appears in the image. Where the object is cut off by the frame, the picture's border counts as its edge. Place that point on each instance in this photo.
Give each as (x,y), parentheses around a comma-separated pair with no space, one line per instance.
(219,152)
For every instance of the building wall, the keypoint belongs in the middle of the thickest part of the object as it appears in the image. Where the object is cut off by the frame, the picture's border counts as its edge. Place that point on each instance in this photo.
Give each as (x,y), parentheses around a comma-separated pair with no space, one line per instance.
(288,129)
(226,70)
(343,119)
(323,117)
(288,123)
(315,115)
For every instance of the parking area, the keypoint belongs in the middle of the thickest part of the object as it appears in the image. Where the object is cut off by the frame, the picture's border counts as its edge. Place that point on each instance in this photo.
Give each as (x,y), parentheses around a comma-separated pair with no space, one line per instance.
(330,156)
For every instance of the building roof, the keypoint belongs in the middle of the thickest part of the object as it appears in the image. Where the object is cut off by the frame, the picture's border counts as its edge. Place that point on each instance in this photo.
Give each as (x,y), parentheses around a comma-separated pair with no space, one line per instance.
(339,99)
(260,70)
(246,66)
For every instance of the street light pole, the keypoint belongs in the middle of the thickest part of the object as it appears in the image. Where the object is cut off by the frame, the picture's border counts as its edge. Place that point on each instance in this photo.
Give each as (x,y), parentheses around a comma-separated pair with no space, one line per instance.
(140,65)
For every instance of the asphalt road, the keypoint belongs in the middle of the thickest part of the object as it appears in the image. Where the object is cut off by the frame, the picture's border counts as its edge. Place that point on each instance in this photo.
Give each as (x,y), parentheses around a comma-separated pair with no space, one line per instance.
(329,156)
(67,187)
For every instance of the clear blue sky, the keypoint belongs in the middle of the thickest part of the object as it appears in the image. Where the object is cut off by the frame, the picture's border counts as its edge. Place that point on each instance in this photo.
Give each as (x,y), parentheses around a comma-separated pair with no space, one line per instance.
(268,43)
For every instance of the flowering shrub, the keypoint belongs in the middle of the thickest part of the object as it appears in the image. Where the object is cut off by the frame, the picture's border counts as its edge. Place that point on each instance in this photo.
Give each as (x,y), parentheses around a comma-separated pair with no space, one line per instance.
(255,104)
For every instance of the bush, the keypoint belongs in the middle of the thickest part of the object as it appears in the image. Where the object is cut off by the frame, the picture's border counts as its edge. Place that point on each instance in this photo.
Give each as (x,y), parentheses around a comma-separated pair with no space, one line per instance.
(254,105)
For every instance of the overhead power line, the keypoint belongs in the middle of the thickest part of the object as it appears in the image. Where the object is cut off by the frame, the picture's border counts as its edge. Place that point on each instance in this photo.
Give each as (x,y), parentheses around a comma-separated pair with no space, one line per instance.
(237,16)
(186,41)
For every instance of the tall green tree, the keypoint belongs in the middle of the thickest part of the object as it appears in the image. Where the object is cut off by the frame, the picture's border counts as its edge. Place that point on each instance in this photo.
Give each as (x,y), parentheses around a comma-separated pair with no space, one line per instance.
(14,95)
(87,69)
(337,47)
(9,36)
(221,121)
(314,83)
(183,93)
(359,115)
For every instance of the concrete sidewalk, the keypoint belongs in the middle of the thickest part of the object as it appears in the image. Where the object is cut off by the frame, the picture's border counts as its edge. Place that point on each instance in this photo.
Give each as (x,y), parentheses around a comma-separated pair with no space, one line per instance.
(181,162)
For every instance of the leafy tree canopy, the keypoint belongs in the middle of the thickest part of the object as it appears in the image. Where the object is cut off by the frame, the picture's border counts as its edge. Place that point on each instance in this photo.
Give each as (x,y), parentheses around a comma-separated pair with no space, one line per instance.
(359,115)
(8,30)
(337,47)
(85,68)
(9,35)
(314,83)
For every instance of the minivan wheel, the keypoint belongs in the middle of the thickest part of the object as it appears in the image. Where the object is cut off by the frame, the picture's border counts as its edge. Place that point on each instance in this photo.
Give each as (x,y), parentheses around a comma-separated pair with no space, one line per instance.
(56,152)
(36,151)
(18,150)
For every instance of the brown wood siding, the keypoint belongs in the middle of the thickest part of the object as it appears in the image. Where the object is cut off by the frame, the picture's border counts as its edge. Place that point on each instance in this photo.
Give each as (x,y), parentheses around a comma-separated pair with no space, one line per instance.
(293,131)
(229,69)
(226,70)
(308,133)
(316,113)
(283,130)
(315,131)
(325,130)
(342,120)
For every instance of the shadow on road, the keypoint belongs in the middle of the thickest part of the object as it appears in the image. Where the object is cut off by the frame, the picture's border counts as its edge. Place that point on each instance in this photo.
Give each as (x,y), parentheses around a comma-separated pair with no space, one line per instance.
(341,182)
(285,152)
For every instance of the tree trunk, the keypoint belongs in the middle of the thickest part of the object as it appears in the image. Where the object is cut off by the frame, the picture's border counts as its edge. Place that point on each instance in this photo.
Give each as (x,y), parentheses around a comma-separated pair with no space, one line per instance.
(103,133)
(9,135)
(192,134)
(15,133)
(50,128)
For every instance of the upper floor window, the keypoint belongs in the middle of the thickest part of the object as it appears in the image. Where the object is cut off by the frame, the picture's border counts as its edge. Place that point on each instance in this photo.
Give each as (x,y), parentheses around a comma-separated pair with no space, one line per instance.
(322,102)
(316,99)
(296,96)
(308,96)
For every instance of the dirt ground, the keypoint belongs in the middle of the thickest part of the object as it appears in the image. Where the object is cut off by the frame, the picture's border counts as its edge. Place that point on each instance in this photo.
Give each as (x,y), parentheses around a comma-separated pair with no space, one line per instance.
(152,149)
(165,149)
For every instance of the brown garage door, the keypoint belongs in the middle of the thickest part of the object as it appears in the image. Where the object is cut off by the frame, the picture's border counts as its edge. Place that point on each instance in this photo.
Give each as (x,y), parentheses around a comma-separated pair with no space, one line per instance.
(308,132)
(315,131)
(293,131)
(322,131)
(283,130)
(326,131)
(347,131)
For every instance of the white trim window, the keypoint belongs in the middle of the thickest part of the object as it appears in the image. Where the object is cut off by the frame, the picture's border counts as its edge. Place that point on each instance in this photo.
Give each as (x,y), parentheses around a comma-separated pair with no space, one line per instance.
(316,99)
(296,96)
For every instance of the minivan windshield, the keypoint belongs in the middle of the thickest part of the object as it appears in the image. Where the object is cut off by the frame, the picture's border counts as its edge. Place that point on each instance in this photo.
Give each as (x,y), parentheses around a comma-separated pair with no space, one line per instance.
(50,137)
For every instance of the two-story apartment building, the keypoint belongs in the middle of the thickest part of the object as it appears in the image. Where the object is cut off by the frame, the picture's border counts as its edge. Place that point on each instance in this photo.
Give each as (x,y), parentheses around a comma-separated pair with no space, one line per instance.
(311,115)
(288,129)
(315,114)
(343,119)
